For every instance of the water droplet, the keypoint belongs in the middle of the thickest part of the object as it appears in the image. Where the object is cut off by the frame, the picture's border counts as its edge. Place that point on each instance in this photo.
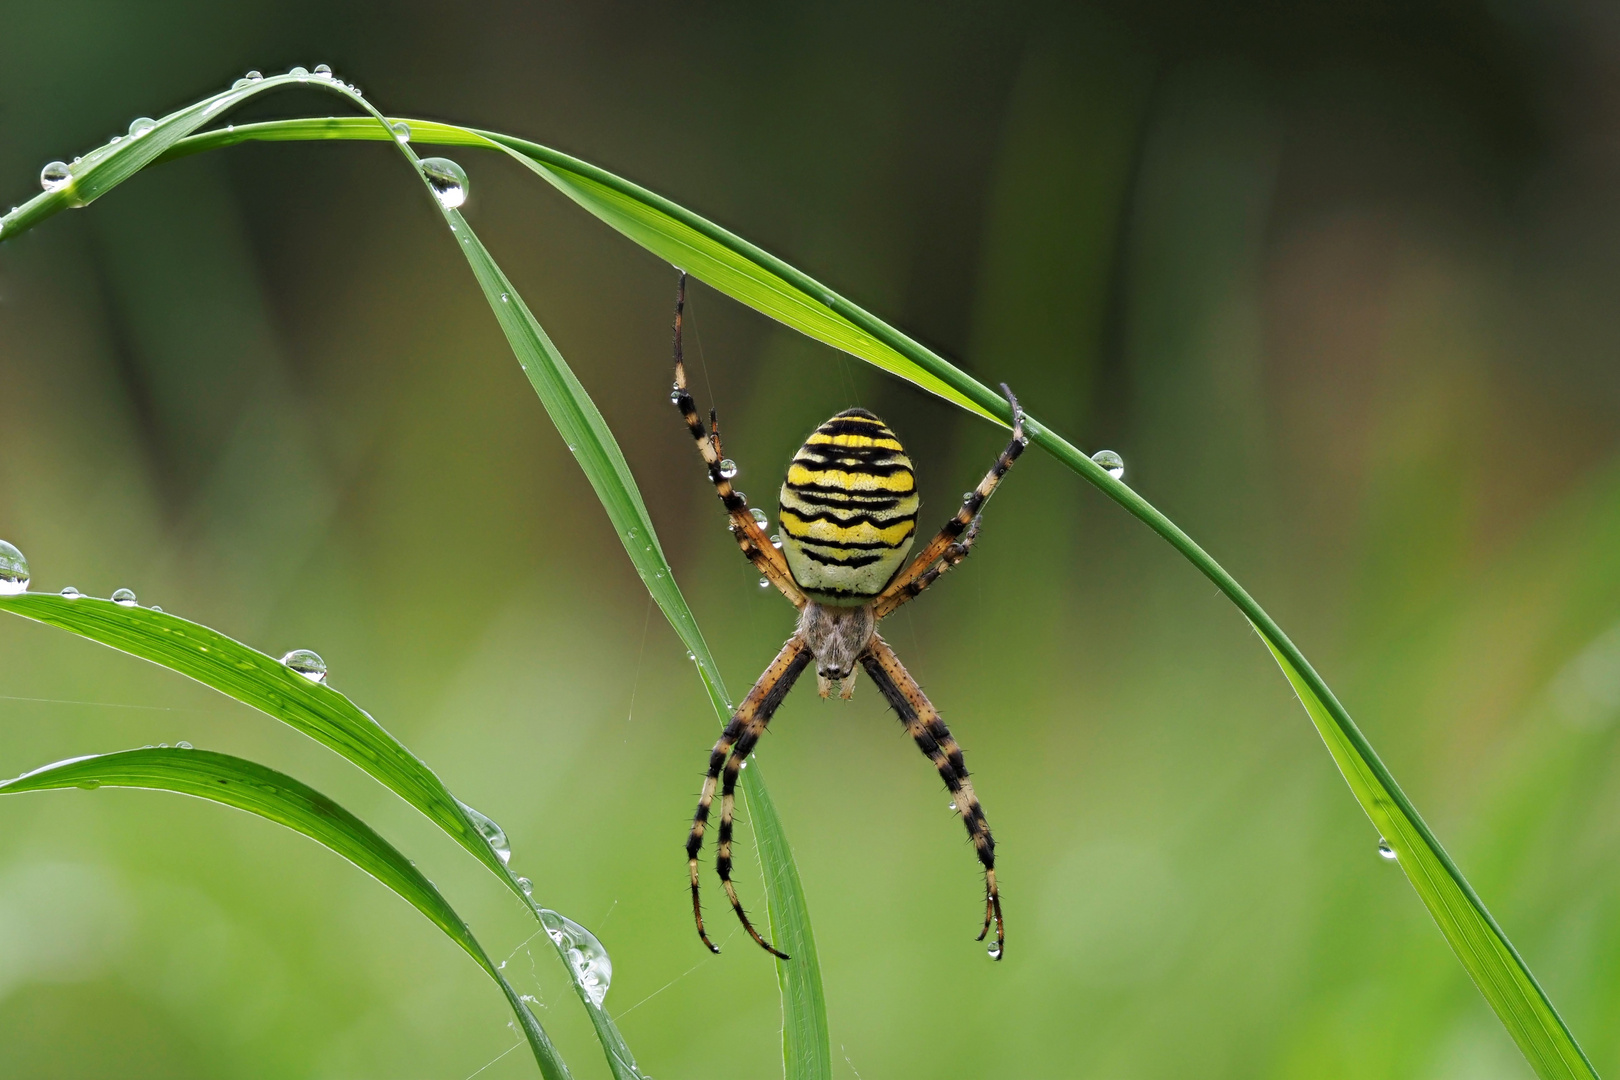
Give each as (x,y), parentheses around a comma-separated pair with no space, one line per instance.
(124,597)
(1385,850)
(592,967)
(776,541)
(55,176)
(240,83)
(182,745)
(298,72)
(492,833)
(953,806)
(254,76)
(323,70)
(13,570)
(526,885)
(401,130)
(155,608)
(764,583)
(759,515)
(506,298)
(140,126)
(447,179)
(728,468)
(1111,463)
(675,395)
(306,663)
(745,764)
(966,495)
(690,655)
(994,950)
(70,593)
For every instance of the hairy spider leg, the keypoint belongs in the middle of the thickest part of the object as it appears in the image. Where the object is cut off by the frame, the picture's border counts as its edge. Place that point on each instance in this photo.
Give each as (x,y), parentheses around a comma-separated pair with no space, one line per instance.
(951,544)
(742,732)
(756,547)
(933,738)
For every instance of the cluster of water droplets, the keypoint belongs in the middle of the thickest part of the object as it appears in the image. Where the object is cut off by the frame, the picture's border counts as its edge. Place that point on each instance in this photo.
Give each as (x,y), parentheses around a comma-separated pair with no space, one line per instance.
(306,663)
(592,967)
(13,570)
(1110,462)
(447,179)
(493,834)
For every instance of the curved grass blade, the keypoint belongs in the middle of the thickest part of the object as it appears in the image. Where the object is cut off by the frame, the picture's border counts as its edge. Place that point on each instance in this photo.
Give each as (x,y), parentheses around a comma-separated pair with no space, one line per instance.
(771,286)
(318,711)
(764,282)
(274,796)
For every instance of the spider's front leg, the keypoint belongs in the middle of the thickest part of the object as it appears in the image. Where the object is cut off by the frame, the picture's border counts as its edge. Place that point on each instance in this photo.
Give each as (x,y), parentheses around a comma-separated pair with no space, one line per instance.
(955,540)
(925,725)
(736,743)
(755,545)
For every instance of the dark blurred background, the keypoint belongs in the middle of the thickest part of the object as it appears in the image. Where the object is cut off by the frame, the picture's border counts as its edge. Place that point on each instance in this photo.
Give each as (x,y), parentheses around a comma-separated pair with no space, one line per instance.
(1338,281)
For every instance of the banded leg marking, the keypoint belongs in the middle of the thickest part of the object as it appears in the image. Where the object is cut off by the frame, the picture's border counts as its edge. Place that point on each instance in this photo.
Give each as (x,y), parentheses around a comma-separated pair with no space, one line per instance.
(751,539)
(745,729)
(954,541)
(923,722)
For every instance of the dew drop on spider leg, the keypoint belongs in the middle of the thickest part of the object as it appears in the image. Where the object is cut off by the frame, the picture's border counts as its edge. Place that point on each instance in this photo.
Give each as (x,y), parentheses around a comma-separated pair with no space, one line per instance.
(448,181)
(13,570)
(776,541)
(994,950)
(953,806)
(760,517)
(1111,463)
(728,468)
(764,583)
(1385,849)
(493,834)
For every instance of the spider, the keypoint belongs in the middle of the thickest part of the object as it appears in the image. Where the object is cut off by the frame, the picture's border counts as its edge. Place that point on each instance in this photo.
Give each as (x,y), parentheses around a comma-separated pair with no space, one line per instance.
(848,517)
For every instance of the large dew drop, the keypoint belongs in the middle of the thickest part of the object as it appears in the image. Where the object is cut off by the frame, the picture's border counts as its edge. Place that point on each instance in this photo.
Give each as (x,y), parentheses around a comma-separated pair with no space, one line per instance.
(306,663)
(447,179)
(728,468)
(1386,850)
(1112,463)
(994,950)
(493,834)
(124,597)
(140,126)
(593,968)
(401,130)
(13,570)
(55,176)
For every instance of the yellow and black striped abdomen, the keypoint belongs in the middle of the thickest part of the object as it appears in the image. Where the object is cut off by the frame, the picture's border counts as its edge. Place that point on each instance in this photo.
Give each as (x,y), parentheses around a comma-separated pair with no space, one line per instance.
(849,509)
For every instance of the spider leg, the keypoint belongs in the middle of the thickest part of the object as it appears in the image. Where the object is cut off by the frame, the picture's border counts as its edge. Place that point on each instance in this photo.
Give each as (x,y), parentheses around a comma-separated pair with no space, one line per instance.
(934,739)
(952,544)
(755,545)
(744,730)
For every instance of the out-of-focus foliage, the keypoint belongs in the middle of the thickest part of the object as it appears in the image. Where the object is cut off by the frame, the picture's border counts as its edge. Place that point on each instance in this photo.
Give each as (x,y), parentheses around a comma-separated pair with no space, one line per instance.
(1338,285)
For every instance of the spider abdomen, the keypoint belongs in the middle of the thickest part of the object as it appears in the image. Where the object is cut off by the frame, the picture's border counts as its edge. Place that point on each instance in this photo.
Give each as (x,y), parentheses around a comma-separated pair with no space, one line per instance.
(848,509)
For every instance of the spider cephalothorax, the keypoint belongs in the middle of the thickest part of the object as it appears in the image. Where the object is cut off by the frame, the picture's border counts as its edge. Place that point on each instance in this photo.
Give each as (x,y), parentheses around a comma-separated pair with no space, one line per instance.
(848,518)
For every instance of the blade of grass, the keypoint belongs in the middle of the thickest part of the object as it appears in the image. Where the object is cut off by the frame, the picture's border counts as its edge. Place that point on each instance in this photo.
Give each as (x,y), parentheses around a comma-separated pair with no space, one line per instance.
(274,796)
(766,283)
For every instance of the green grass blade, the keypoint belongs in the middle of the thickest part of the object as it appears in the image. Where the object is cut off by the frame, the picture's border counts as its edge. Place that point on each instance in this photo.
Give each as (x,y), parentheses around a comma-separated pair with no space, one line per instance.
(318,711)
(274,796)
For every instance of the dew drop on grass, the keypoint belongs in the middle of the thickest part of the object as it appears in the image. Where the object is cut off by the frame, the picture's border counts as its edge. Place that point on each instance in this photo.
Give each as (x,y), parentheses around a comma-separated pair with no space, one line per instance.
(306,663)
(124,597)
(759,515)
(526,885)
(728,468)
(448,181)
(55,176)
(1111,463)
(298,72)
(592,966)
(492,833)
(401,130)
(254,76)
(506,298)
(155,608)
(323,71)
(1385,850)
(994,950)
(70,593)
(13,570)
(182,745)
(140,126)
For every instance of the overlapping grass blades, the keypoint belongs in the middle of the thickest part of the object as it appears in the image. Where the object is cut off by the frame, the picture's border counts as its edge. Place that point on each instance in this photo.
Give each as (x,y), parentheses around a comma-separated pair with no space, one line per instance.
(806,1044)
(764,282)
(246,785)
(743,271)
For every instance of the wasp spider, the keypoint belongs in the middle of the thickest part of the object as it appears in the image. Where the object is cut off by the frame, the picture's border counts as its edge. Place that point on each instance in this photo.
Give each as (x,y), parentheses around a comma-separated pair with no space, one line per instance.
(848,517)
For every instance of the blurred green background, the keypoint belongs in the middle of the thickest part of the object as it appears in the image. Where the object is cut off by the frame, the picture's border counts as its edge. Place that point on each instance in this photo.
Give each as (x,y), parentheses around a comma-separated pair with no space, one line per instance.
(1338,281)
